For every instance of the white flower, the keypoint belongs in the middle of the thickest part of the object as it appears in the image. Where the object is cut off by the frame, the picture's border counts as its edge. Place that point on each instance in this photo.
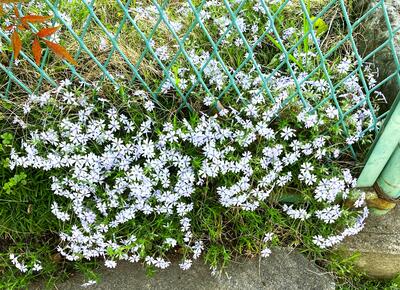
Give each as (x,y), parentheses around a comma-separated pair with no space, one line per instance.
(336,153)
(37,266)
(329,214)
(305,174)
(344,66)
(268,237)
(149,105)
(161,263)
(328,189)
(22,267)
(102,44)
(69,98)
(186,264)
(332,112)
(89,283)
(287,133)
(360,200)
(171,242)
(162,52)
(296,213)
(287,33)
(306,166)
(19,265)
(110,264)
(27,108)
(266,252)
(330,241)
(320,85)
(110,170)
(251,110)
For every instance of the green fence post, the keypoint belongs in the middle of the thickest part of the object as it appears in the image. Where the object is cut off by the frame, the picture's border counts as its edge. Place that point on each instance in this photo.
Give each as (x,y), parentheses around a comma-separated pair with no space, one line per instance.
(388,183)
(382,159)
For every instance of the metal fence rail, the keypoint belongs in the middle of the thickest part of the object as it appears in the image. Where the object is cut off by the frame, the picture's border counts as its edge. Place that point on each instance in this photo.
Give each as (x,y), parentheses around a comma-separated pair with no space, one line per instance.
(128,19)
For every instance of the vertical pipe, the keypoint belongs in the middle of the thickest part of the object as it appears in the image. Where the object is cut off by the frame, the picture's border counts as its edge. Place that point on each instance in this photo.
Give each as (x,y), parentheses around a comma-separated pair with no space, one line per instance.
(388,182)
(386,143)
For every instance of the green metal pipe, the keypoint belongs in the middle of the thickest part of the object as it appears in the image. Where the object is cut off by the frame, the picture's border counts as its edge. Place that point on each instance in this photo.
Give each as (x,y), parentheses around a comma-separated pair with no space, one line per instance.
(383,149)
(388,182)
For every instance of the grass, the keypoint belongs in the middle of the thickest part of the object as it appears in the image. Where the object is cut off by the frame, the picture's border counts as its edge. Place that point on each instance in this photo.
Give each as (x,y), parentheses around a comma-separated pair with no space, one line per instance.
(229,232)
(110,14)
(29,228)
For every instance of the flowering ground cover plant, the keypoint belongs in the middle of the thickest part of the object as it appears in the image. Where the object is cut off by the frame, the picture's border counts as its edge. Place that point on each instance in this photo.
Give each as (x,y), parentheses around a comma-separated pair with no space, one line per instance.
(234,167)
(131,185)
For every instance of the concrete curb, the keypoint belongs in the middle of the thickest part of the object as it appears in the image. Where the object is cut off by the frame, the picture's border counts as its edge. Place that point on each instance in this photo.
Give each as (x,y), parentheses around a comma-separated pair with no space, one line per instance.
(285,269)
(378,245)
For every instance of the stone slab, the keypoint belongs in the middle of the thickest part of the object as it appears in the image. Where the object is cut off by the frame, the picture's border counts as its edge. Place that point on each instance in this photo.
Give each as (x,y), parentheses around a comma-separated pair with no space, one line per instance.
(283,270)
(379,245)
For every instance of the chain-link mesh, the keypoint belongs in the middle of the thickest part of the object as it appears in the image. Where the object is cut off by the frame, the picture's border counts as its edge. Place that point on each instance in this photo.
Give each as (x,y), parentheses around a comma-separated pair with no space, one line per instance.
(123,27)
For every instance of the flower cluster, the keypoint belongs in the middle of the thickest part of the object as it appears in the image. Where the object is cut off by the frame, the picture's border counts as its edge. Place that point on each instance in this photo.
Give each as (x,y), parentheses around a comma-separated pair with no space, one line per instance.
(23,266)
(112,173)
(326,242)
(127,180)
(340,95)
(266,251)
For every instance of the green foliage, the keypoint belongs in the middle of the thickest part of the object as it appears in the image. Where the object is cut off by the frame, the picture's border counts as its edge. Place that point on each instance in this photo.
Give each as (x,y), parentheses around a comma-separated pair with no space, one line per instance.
(25,195)
(18,179)
(27,227)
(14,181)
(7,138)
(349,277)
(319,26)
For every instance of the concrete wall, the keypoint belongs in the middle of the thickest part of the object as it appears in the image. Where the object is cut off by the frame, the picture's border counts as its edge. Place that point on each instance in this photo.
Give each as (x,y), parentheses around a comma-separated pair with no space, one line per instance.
(375,32)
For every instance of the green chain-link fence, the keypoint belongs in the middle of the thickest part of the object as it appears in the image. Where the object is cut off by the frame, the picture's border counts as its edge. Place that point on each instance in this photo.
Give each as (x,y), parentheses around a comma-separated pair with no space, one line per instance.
(123,20)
